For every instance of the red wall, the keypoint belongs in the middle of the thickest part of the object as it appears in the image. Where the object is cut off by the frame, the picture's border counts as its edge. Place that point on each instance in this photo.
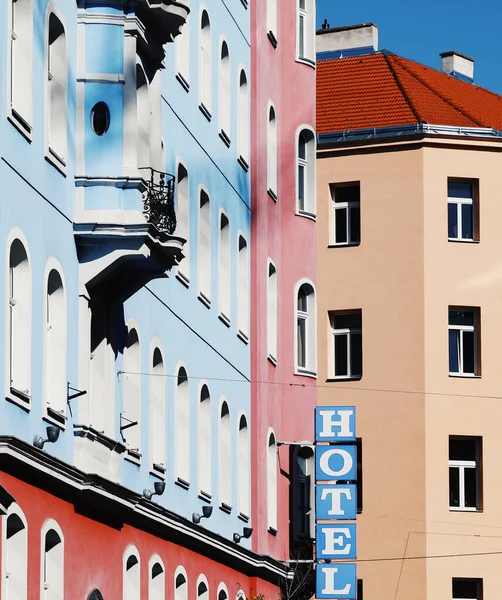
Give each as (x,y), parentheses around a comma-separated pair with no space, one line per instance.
(94,553)
(289,240)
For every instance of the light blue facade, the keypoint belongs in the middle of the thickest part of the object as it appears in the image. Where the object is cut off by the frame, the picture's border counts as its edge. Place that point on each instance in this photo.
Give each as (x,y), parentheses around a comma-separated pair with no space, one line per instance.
(87,215)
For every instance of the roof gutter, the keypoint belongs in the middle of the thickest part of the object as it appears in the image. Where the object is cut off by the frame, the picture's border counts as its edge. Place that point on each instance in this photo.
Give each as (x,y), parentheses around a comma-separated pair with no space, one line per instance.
(337,137)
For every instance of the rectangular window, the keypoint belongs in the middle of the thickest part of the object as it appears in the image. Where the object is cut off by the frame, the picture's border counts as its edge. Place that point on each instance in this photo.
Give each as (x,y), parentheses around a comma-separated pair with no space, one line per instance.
(346,214)
(359,589)
(463,341)
(462,210)
(346,345)
(465,473)
(469,589)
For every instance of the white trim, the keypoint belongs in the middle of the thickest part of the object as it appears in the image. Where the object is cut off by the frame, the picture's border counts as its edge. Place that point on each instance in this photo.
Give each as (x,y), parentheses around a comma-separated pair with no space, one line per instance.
(311,332)
(224,108)
(222,588)
(310,179)
(272,495)
(14,509)
(243,316)
(204,258)
(205,71)
(128,591)
(157,384)
(273,159)
(182,446)
(272,303)
(48,525)
(204,442)
(225,454)
(224,283)
(156,594)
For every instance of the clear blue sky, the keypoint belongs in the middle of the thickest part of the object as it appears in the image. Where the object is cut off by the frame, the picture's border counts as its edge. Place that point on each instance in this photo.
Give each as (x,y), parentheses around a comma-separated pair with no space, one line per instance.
(421,29)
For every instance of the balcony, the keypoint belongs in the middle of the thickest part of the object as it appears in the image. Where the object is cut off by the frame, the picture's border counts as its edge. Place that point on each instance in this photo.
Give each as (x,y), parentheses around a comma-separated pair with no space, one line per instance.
(158,200)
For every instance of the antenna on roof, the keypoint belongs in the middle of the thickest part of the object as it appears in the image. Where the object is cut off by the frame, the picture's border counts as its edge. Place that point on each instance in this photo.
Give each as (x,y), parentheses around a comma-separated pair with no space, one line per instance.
(325,25)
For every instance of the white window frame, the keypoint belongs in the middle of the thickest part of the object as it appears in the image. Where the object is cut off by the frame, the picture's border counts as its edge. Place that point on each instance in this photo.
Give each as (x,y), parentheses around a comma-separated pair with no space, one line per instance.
(308,165)
(459,202)
(14,583)
(272,153)
(272,483)
(183,218)
(242,287)
(243,119)
(224,268)
(462,466)
(461,329)
(204,263)
(272,22)
(182,50)
(306,17)
(348,332)
(180,591)
(157,409)
(310,319)
(222,592)
(156,580)
(205,65)
(243,466)
(131,585)
(132,384)
(204,595)
(182,427)
(224,95)
(204,441)
(225,456)
(272,312)
(57,570)
(340,206)
(143,120)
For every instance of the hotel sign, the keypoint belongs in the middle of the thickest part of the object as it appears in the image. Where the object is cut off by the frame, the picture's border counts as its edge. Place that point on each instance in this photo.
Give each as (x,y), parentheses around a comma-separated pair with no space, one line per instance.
(336,500)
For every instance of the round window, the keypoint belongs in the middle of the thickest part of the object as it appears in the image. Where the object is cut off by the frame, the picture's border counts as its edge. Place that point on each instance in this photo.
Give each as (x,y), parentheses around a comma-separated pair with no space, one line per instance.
(100,118)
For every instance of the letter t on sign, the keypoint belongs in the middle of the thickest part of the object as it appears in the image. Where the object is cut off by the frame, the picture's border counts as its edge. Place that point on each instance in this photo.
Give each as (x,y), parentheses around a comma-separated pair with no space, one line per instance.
(335,424)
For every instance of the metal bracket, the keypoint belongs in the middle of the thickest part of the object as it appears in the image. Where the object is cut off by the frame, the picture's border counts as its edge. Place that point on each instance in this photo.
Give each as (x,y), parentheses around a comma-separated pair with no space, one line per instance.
(73,396)
(124,427)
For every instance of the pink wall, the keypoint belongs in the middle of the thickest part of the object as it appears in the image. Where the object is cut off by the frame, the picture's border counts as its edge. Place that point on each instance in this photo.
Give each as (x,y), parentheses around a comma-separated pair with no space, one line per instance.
(289,240)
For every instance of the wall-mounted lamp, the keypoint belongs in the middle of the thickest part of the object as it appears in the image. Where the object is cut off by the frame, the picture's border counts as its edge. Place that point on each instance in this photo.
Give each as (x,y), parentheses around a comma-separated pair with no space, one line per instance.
(247,532)
(159,488)
(52,436)
(207,511)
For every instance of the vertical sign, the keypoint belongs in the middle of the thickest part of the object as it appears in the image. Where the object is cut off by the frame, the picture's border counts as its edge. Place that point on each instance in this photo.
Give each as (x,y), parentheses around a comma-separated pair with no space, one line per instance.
(336,500)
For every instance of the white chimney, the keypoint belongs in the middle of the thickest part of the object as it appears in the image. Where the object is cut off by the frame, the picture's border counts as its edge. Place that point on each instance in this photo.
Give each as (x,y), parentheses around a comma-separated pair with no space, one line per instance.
(347,41)
(458,65)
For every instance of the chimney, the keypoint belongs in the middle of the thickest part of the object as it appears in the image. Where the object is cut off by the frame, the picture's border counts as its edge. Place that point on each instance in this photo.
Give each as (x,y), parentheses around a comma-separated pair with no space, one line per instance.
(352,40)
(457,65)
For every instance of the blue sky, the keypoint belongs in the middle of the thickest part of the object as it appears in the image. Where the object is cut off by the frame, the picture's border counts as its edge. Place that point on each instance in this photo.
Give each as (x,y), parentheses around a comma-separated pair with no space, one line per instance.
(424,28)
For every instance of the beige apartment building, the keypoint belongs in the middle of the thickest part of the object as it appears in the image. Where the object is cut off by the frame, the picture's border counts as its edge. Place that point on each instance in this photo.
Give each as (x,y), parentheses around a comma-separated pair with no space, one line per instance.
(409,310)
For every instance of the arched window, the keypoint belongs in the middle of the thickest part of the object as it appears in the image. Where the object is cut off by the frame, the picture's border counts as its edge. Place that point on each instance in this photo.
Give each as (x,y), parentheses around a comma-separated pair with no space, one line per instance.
(222,592)
(202,588)
(272,312)
(131,579)
(57,82)
(205,77)
(243,119)
(224,275)
(180,584)
(272,21)
(243,468)
(305,34)
(19,323)
(53,564)
(55,347)
(15,555)
(224,105)
(272,150)
(306,329)
(204,250)
(302,471)
(243,288)
(143,120)
(204,442)
(182,49)
(158,414)
(272,482)
(182,428)
(21,52)
(183,218)
(225,457)
(306,172)
(132,394)
(156,580)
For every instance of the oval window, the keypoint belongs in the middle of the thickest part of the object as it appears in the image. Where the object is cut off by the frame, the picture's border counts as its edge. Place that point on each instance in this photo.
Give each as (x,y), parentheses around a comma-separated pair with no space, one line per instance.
(100,118)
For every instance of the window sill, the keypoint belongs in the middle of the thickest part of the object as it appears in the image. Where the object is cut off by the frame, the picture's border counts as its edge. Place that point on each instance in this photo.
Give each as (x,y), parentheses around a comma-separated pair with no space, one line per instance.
(243,337)
(20,124)
(243,163)
(272,359)
(272,194)
(306,61)
(205,496)
(243,517)
(204,299)
(461,241)
(224,319)
(334,379)
(272,531)
(224,138)
(158,471)
(205,111)
(272,39)
(19,399)
(55,417)
(464,376)
(226,508)
(344,245)
(306,215)
(183,82)
(465,509)
(182,483)
(183,279)
(56,161)
(305,373)
(133,456)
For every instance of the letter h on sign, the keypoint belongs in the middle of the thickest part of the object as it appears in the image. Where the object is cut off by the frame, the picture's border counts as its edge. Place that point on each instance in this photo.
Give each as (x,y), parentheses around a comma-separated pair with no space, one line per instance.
(335,424)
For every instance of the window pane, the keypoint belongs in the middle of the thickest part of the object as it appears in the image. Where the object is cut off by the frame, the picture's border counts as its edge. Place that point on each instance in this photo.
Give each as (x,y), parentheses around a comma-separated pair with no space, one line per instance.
(301,342)
(301,187)
(466,588)
(341,226)
(470,487)
(301,42)
(467,224)
(302,147)
(461,317)
(347,193)
(302,300)
(341,355)
(454,486)
(356,354)
(452,220)
(459,189)
(453,339)
(348,320)
(355,224)
(462,449)
(468,351)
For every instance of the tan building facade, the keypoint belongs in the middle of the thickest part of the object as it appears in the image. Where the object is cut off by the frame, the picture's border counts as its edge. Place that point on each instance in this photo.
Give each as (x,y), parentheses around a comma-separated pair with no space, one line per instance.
(409,289)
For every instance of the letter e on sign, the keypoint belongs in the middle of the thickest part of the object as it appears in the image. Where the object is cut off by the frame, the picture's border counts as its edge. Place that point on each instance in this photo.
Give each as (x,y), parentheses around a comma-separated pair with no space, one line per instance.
(335,424)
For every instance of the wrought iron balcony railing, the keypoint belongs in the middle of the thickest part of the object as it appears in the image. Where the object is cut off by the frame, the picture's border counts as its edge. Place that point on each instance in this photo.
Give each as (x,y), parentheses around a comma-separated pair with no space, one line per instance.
(158,200)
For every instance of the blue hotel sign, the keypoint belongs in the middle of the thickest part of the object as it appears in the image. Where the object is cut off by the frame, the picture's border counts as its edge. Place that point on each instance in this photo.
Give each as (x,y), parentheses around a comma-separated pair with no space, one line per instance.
(336,462)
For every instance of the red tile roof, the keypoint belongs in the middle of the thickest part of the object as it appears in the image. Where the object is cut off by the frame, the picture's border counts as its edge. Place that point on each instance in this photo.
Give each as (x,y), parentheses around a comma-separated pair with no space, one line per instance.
(385,90)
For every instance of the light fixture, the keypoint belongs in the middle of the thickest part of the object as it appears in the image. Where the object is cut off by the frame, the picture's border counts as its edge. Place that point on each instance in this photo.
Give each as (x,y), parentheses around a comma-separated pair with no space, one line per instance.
(207,511)
(247,532)
(52,436)
(159,488)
